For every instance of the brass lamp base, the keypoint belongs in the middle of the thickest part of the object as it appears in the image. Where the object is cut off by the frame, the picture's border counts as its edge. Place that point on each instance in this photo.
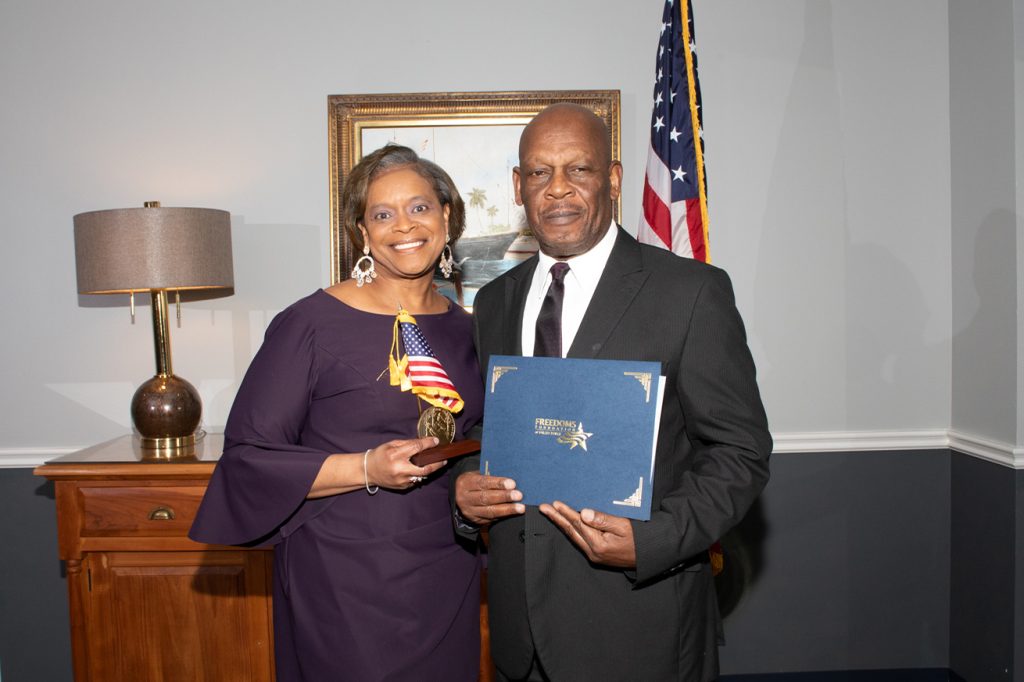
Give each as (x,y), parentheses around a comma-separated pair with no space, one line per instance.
(166,411)
(171,449)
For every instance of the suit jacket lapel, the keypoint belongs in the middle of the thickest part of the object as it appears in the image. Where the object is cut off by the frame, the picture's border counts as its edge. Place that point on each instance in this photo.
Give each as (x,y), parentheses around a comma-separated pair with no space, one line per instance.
(517,285)
(620,282)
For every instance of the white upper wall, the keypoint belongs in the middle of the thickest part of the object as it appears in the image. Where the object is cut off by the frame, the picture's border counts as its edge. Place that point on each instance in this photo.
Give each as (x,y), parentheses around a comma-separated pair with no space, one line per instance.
(827,138)
(1018,126)
(828,168)
(985,359)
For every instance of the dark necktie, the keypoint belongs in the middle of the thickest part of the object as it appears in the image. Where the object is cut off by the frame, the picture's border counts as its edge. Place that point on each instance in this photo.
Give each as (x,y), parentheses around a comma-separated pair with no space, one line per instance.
(548,339)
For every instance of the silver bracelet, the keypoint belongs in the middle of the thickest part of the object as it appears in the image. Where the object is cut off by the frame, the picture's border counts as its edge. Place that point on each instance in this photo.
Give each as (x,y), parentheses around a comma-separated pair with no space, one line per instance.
(366,478)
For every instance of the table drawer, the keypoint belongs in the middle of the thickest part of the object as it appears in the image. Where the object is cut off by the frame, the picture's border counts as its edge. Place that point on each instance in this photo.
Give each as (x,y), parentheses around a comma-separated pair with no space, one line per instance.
(149,510)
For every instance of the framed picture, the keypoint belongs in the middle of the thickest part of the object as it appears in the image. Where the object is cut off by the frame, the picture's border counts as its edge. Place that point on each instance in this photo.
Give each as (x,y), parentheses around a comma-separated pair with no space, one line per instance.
(474,136)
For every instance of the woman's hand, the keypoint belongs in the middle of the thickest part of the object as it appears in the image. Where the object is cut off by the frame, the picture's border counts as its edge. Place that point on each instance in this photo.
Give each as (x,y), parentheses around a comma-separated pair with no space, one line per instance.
(388,465)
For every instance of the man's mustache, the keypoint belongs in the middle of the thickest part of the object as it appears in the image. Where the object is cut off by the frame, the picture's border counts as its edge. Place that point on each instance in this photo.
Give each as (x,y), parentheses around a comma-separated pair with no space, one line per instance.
(561,210)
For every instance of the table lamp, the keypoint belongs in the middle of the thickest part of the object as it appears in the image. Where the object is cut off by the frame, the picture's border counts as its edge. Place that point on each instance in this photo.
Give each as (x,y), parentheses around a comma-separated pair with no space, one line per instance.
(157,250)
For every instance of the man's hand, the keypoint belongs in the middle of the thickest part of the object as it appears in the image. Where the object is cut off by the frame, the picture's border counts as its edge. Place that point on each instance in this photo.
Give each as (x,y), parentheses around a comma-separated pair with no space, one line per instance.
(605,539)
(482,499)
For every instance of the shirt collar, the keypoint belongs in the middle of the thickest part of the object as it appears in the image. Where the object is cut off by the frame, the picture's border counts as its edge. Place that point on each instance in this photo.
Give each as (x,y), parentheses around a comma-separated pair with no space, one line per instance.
(586,268)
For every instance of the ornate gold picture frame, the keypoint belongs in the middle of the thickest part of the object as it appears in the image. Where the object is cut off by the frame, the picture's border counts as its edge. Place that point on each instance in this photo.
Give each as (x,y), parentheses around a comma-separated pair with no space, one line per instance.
(472,135)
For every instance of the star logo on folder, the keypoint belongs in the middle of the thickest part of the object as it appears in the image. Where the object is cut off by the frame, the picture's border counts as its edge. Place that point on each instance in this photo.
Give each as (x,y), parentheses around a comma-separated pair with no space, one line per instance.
(577,437)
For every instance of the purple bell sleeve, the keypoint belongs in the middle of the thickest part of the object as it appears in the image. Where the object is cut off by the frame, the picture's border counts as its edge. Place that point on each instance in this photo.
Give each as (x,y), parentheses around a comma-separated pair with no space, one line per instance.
(257,494)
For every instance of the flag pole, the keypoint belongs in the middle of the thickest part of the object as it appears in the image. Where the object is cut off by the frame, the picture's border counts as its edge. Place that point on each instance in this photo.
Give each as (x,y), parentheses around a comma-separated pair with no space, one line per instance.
(684,10)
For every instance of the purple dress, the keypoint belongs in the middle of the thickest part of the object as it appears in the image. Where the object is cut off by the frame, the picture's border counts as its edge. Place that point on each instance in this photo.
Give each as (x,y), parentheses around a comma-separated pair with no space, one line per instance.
(365,587)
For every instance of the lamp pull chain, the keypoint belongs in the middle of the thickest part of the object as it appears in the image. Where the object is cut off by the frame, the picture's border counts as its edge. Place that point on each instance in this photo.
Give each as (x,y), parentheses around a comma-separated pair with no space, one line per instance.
(177,306)
(131,297)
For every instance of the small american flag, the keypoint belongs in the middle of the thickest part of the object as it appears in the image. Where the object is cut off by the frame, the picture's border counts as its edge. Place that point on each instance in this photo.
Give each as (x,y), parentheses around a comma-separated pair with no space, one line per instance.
(418,369)
(675,206)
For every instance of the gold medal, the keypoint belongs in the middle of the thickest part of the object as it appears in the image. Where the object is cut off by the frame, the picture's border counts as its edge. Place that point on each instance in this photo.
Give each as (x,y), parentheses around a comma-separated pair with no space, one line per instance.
(437,422)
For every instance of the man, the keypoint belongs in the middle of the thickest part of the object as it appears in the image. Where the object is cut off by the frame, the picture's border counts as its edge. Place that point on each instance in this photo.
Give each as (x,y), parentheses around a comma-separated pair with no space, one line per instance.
(580,595)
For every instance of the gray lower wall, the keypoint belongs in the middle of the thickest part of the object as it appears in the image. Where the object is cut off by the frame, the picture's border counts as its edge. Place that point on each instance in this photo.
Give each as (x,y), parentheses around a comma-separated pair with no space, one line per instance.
(1018,584)
(35,641)
(981,633)
(848,562)
(854,566)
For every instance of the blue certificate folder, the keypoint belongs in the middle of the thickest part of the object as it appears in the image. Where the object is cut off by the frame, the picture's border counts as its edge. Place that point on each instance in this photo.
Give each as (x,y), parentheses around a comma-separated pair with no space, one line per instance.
(579,431)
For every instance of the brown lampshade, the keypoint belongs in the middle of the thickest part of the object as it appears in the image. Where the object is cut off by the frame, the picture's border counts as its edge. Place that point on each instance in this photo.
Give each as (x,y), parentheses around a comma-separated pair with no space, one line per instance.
(154,249)
(140,249)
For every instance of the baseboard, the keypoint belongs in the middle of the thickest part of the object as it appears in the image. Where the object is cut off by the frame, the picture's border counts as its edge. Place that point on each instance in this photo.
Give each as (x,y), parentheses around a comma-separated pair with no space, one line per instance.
(897,675)
(989,450)
(803,442)
(30,458)
(860,441)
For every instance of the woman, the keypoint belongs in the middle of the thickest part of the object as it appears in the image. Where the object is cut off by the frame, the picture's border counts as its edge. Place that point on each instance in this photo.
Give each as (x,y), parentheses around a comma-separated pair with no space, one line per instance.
(368,585)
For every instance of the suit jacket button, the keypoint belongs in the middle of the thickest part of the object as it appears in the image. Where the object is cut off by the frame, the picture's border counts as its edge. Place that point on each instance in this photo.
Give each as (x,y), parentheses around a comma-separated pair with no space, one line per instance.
(522,536)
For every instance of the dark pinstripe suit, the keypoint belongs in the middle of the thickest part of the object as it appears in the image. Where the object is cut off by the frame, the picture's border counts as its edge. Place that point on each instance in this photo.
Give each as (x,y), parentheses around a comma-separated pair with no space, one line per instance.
(660,621)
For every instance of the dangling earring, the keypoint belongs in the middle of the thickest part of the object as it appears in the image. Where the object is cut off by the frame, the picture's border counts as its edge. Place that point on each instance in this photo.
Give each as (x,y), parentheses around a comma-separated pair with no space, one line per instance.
(447,260)
(367,273)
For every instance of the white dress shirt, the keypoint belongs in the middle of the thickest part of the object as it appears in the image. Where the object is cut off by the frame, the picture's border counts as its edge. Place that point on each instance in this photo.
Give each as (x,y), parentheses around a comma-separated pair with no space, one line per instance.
(580,282)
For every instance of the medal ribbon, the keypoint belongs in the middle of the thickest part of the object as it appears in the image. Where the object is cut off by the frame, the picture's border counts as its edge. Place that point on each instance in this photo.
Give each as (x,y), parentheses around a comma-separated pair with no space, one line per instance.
(418,369)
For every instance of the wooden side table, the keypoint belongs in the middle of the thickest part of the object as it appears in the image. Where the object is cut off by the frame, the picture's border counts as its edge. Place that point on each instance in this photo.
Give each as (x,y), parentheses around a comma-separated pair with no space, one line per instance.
(146,602)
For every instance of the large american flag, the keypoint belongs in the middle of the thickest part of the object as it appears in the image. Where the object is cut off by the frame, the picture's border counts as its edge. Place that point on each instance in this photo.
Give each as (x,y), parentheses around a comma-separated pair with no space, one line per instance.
(426,376)
(675,213)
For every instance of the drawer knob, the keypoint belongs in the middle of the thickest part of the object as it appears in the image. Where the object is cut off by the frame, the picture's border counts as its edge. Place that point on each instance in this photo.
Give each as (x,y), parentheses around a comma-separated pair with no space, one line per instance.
(162,514)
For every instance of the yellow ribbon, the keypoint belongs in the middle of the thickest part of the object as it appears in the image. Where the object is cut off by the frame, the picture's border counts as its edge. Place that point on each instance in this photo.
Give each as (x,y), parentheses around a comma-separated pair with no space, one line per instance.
(398,366)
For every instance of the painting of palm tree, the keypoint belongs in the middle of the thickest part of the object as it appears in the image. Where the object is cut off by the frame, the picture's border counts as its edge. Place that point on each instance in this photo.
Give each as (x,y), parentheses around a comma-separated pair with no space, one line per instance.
(477,199)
